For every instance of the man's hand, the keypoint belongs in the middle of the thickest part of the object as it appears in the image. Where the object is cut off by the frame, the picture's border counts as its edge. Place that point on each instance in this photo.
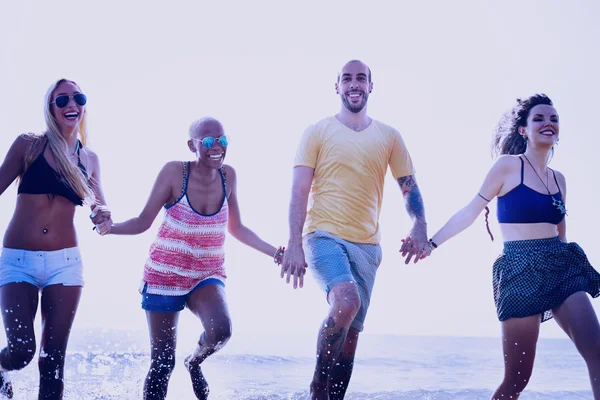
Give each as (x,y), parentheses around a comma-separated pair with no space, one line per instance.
(294,264)
(416,244)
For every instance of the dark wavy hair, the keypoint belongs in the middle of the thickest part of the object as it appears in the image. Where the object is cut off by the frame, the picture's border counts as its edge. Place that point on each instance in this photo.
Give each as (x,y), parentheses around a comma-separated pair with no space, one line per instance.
(507,139)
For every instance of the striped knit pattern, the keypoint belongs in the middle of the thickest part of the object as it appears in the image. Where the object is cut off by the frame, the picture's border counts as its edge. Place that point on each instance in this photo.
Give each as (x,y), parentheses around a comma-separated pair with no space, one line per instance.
(189,248)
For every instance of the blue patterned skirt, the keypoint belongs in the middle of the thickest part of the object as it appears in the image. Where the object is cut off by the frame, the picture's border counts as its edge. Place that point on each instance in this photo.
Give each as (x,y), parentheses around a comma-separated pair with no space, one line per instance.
(532,277)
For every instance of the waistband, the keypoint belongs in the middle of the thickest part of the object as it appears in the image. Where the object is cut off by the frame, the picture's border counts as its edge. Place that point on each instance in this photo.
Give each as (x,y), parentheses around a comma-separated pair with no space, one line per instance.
(67,254)
(533,244)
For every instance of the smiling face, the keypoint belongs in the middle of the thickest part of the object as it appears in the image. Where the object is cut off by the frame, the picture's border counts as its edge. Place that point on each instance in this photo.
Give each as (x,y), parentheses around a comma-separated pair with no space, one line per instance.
(70,116)
(214,156)
(542,127)
(354,85)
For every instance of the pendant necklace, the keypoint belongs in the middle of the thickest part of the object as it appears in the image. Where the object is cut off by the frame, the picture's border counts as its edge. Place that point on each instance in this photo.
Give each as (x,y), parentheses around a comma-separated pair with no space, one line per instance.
(555,202)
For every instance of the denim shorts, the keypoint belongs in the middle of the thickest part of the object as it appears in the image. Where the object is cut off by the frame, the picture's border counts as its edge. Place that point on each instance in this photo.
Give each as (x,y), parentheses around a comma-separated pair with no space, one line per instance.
(162,303)
(41,268)
(333,260)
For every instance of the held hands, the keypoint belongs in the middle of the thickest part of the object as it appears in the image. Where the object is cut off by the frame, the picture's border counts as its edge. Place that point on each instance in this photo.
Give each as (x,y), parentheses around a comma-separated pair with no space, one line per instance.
(101,218)
(416,244)
(294,264)
(426,252)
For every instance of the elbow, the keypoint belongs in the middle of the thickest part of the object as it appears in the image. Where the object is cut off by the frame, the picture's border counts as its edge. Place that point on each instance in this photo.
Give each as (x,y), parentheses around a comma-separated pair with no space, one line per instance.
(143,225)
(234,230)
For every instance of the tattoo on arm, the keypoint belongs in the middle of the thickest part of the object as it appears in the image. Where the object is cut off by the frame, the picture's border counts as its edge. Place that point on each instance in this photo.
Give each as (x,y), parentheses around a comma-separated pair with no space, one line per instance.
(412,197)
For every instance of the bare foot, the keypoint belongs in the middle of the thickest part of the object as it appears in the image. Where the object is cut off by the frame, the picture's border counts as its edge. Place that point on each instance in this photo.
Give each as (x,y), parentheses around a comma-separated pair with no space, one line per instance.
(5,386)
(198,381)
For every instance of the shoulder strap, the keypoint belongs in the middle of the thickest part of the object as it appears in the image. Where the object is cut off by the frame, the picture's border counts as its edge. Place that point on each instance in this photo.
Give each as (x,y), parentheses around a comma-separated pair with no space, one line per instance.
(186,177)
(46,140)
(555,180)
(80,164)
(522,168)
(224,180)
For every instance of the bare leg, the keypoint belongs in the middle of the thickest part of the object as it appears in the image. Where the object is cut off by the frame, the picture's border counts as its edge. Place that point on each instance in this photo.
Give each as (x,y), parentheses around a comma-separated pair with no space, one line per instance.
(59,304)
(344,303)
(577,318)
(163,340)
(519,340)
(208,303)
(19,303)
(339,378)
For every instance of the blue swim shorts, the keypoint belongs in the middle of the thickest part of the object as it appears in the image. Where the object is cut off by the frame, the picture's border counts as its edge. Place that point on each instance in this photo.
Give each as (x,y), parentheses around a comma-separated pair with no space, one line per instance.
(162,303)
(332,260)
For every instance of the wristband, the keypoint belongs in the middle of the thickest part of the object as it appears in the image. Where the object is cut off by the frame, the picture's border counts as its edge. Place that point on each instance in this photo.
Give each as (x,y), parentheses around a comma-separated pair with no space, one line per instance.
(278,256)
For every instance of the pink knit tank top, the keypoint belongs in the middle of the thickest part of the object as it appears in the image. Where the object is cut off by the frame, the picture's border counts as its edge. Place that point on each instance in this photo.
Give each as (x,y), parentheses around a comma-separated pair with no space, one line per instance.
(189,247)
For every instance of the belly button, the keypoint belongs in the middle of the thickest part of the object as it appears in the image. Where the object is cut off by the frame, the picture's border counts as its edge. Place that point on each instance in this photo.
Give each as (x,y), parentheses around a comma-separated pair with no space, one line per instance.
(45,230)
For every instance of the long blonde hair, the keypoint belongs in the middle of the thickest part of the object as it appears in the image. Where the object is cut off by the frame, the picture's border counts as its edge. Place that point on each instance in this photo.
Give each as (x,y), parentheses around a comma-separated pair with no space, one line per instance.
(69,172)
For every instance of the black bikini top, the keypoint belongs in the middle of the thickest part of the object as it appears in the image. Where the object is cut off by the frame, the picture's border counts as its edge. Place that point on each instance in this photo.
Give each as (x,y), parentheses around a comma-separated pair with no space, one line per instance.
(41,178)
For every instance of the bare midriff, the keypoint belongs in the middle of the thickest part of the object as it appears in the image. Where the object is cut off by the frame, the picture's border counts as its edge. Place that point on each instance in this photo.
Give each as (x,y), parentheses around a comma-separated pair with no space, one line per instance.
(540,230)
(41,223)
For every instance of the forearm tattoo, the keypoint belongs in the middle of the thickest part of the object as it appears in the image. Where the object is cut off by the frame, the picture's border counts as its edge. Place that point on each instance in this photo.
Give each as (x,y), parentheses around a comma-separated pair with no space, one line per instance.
(412,197)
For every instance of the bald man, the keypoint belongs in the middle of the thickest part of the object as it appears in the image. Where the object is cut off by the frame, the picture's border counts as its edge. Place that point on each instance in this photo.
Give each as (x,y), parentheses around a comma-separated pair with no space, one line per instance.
(344,159)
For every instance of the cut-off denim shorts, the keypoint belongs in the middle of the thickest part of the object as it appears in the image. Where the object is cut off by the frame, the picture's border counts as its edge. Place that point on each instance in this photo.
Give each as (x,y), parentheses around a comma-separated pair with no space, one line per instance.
(41,268)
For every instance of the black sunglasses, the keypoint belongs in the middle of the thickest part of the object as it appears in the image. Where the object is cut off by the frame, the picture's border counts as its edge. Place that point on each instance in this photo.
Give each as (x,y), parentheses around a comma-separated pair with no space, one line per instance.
(61,101)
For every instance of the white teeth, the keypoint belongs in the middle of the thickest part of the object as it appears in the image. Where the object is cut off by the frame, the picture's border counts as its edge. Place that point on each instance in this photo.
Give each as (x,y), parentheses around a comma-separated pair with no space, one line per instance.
(71,115)
(216,157)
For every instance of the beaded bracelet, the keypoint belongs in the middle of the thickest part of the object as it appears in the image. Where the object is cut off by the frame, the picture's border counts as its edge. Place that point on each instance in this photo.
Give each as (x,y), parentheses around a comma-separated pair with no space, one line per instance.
(278,256)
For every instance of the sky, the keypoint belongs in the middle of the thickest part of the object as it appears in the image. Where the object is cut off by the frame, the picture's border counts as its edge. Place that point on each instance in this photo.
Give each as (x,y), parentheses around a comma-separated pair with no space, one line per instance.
(443,73)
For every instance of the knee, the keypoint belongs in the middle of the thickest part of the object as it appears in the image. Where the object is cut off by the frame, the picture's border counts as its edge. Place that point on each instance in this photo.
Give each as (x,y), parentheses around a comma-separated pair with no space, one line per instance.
(220,333)
(347,303)
(162,363)
(19,356)
(591,352)
(517,379)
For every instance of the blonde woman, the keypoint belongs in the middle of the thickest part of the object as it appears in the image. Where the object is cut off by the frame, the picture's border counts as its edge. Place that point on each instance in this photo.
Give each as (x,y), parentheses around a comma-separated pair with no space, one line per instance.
(56,172)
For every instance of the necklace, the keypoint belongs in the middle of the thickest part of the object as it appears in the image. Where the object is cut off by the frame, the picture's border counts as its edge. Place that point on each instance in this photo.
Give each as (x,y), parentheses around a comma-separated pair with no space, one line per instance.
(555,202)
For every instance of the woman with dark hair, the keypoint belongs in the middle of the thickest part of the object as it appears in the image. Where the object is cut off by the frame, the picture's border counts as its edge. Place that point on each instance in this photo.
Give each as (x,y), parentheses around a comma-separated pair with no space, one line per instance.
(539,275)
(56,172)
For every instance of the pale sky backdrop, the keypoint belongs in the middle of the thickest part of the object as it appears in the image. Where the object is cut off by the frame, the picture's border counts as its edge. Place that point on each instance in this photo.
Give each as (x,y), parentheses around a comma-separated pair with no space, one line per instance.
(443,74)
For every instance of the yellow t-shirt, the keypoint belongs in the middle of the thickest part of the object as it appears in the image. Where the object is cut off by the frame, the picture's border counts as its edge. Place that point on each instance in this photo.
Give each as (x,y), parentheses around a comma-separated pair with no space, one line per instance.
(350,168)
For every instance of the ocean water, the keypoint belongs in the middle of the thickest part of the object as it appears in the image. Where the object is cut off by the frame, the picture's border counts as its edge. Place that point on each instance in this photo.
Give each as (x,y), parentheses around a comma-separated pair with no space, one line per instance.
(112,365)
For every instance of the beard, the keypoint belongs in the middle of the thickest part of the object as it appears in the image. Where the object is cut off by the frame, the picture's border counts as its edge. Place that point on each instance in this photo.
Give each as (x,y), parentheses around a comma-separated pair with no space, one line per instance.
(355,108)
